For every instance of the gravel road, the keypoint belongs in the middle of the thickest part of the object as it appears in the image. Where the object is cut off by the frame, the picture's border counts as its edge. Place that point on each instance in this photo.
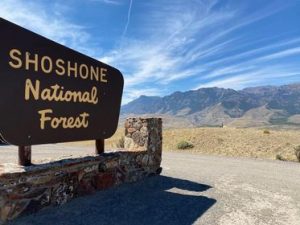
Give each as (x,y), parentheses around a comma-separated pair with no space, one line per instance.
(193,189)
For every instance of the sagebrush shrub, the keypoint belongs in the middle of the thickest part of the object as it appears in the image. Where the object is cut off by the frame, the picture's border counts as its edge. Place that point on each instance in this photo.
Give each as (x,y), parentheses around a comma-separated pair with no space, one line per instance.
(279,157)
(184,145)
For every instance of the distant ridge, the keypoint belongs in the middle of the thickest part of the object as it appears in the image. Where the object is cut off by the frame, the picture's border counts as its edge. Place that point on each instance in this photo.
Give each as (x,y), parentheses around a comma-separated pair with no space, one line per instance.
(253,106)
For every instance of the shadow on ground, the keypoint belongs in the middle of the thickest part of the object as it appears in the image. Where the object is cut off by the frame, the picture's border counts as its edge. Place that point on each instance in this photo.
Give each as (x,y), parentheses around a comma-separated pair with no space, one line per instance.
(158,200)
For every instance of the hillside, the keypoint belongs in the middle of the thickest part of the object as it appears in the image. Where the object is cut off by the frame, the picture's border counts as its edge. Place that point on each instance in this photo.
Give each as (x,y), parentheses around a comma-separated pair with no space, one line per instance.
(254,106)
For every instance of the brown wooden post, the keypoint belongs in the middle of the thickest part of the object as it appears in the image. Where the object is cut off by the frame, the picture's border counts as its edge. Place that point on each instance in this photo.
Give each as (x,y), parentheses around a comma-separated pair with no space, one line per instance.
(24,155)
(99,146)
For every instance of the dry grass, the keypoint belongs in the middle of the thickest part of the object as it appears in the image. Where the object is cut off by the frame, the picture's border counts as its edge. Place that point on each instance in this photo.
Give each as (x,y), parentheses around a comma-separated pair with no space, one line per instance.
(248,142)
(241,142)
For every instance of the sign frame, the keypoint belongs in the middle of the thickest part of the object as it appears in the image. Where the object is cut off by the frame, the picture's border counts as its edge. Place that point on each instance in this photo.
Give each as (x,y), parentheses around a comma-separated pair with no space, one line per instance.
(50,93)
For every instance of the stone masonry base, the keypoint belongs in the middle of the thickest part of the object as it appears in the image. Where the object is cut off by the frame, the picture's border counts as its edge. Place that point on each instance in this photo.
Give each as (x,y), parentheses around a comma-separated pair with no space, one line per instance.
(24,190)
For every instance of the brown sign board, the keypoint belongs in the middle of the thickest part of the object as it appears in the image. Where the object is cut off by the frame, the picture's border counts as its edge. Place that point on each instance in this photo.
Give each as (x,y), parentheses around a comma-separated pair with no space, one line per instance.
(50,93)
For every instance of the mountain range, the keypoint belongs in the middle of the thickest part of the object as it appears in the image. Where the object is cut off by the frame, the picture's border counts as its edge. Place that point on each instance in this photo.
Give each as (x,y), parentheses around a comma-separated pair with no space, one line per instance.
(253,106)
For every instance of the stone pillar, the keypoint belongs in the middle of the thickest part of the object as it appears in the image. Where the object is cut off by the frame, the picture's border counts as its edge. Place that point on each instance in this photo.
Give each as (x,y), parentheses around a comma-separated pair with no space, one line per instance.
(144,134)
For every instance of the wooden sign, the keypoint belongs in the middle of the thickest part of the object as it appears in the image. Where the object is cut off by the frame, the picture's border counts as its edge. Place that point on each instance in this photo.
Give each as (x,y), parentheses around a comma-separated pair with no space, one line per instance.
(50,93)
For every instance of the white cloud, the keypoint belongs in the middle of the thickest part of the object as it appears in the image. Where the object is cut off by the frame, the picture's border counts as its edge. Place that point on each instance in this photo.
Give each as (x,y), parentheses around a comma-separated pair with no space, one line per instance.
(281,54)
(176,41)
(236,82)
(159,59)
(232,70)
(46,21)
(256,52)
(254,78)
(132,94)
(110,2)
(185,40)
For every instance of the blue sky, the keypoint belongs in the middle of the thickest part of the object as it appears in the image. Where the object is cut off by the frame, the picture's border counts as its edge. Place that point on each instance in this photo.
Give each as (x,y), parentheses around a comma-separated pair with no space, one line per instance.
(162,46)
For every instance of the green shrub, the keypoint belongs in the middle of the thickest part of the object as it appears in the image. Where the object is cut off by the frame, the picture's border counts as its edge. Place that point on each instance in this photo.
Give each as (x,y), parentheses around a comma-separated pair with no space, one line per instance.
(279,157)
(120,142)
(297,152)
(184,145)
(267,132)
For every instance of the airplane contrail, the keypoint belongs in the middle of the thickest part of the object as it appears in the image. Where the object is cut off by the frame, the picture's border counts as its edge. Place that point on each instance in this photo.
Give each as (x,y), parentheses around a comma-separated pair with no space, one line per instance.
(128,19)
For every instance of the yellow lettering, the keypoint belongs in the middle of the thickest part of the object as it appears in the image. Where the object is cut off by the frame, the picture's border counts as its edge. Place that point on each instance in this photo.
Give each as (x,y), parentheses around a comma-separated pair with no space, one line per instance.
(55,122)
(47,65)
(15,54)
(46,95)
(103,75)
(44,118)
(60,67)
(34,90)
(32,61)
(84,71)
(85,122)
(50,64)
(68,96)
(54,93)
(69,123)
(95,73)
(58,94)
(80,121)
(94,96)
(73,69)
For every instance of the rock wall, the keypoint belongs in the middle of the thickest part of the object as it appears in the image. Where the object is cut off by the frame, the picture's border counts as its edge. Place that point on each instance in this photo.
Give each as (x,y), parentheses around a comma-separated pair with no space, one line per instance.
(25,190)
